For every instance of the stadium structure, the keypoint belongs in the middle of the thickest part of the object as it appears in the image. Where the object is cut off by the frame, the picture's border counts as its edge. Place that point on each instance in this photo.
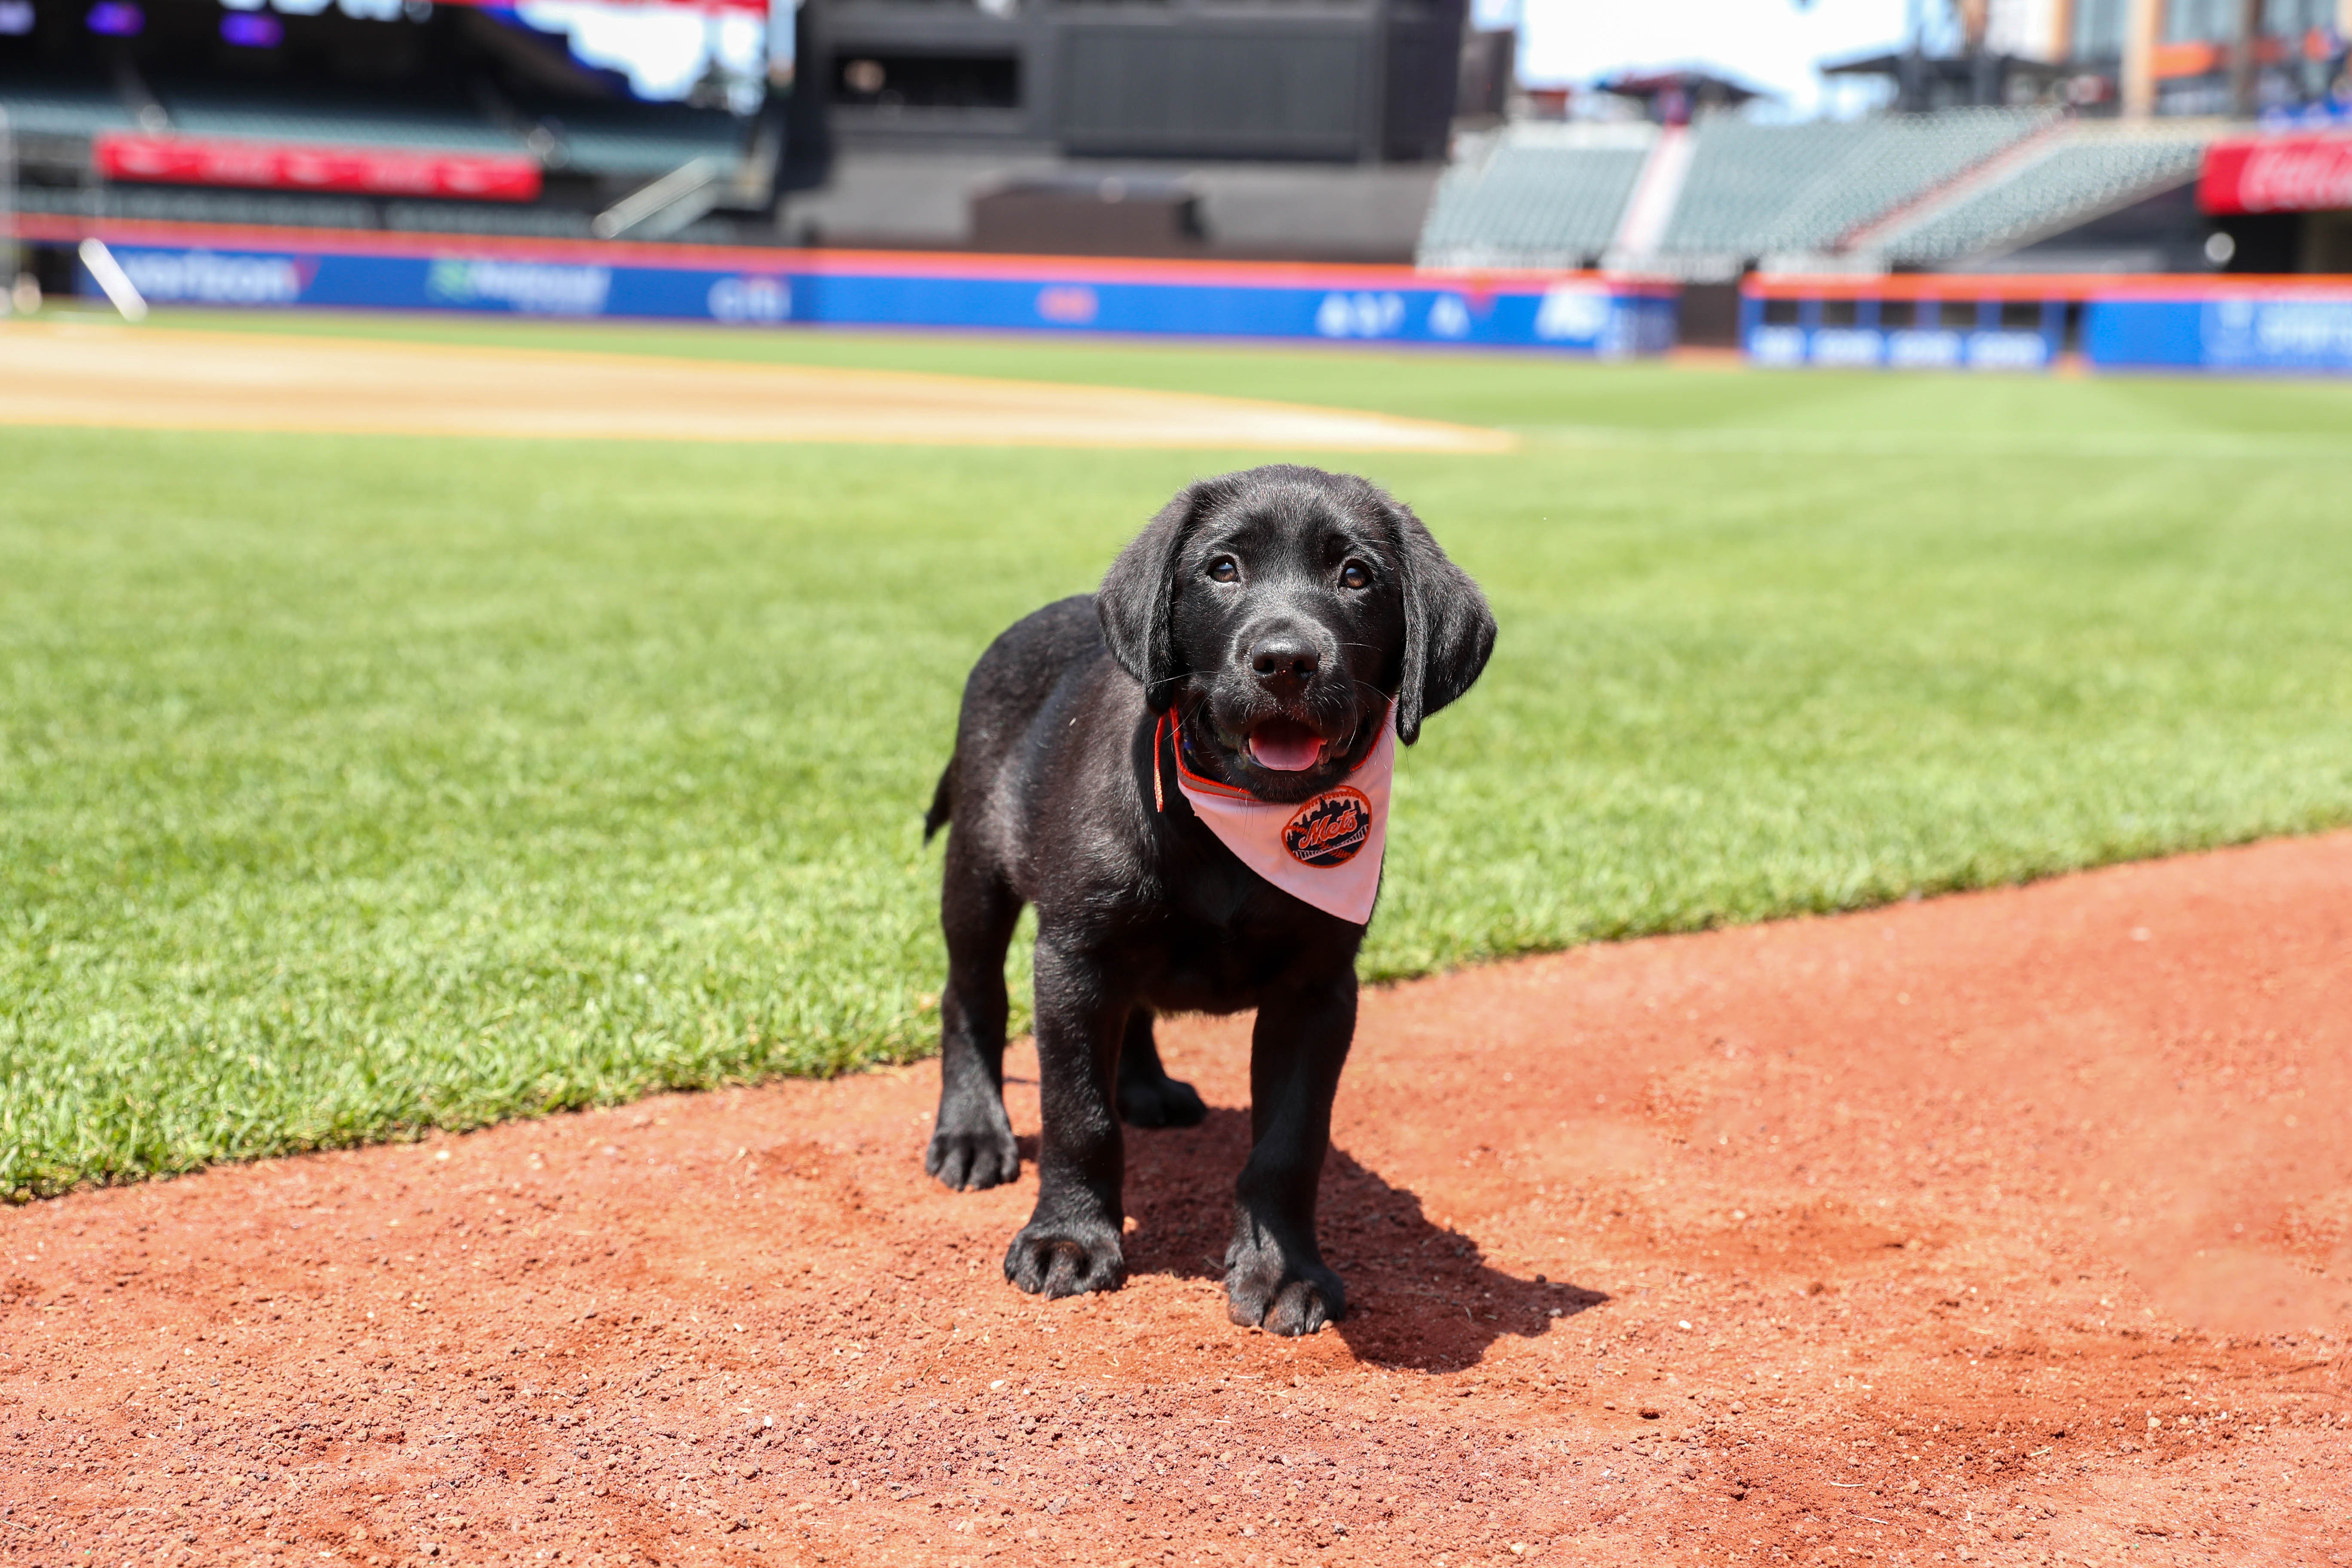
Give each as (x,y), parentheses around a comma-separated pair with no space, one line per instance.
(396,116)
(1962,189)
(1242,128)
(446,153)
(390,115)
(2064,146)
(1207,128)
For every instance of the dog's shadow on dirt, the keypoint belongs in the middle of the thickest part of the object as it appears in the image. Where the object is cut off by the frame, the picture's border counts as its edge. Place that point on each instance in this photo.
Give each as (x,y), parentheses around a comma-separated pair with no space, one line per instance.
(1419,1295)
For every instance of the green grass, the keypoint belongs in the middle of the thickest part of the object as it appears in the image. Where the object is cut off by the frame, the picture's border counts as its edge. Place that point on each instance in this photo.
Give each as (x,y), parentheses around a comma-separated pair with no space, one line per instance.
(353,785)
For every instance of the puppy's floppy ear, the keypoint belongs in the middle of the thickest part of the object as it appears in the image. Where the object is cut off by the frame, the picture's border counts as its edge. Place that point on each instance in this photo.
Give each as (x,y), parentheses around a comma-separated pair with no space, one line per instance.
(1137,599)
(1448,630)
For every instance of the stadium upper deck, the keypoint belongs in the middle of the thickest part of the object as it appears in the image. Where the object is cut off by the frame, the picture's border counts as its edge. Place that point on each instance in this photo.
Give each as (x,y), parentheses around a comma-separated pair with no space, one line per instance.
(1956,187)
(416,83)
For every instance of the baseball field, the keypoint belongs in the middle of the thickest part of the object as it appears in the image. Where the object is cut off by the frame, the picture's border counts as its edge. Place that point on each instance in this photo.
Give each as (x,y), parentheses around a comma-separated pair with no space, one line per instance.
(364,782)
(411,726)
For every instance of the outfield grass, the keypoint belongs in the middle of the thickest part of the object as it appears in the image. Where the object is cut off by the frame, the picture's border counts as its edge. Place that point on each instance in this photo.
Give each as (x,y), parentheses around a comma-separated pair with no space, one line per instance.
(351,785)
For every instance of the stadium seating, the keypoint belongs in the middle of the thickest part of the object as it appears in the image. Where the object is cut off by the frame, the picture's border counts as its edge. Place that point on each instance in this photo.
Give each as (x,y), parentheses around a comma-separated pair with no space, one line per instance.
(443,85)
(341,119)
(1903,157)
(2088,170)
(1743,176)
(485,217)
(1535,195)
(161,203)
(1757,190)
(544,223)
(1551,195)
(624,139)
(644,139)
(59,104)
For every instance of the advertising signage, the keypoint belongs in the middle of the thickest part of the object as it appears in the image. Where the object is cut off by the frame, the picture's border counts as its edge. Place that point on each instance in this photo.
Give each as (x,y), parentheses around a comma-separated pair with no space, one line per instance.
(2277,174)
(349,170)
(1572,313)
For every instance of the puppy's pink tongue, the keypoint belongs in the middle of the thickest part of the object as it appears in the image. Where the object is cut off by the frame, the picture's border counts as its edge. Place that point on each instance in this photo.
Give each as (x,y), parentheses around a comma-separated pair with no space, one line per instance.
(1285,747)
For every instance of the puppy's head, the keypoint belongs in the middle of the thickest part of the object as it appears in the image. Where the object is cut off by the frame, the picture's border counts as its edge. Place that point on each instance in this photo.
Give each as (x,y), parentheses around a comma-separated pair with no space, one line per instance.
(1279,611)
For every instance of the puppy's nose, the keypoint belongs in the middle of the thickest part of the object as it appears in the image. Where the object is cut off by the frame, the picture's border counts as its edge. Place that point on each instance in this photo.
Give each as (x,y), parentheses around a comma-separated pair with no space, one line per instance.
(1284,661)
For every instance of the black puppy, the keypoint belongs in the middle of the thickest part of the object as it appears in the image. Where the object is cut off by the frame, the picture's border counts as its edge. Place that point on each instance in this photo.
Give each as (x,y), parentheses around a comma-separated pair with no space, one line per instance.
(1278,613)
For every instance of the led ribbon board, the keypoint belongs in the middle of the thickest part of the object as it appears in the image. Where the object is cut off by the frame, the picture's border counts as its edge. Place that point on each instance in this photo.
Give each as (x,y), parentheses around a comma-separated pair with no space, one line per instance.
(351,171)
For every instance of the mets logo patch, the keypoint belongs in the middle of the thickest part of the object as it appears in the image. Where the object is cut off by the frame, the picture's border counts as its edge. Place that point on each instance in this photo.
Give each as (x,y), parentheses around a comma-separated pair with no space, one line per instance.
(1330,829)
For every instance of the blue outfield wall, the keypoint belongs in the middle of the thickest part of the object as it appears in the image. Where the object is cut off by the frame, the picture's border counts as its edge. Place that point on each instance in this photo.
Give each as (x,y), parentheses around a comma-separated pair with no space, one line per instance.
(1577,313)
(2224,325)
(1955,332)
(1943,322)
(2293,330)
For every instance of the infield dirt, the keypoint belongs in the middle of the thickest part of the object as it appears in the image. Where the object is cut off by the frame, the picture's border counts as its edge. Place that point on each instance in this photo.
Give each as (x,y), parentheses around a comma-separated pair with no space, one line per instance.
(90,373)
(2012,1227)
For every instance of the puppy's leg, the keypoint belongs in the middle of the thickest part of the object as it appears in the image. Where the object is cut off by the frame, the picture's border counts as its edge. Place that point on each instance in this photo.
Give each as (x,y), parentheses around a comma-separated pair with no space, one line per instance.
(972,1144)
(1275,1277)
(1071,1243)
(1147,1096)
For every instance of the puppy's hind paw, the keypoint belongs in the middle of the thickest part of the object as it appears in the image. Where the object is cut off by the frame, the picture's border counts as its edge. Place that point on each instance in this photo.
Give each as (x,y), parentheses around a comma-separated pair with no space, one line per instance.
(1263,1292)
(1159,1102)
(971,1161)
(1064,1260)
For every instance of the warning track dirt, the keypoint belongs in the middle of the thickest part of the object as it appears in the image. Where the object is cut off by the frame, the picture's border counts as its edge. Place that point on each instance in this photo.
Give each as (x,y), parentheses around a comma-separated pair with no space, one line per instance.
(170,378)
(2009,1228)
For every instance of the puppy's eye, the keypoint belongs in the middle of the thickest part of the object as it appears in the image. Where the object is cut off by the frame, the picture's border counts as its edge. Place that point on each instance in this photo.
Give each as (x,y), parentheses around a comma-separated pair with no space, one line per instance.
(1354,574)
(1224,569)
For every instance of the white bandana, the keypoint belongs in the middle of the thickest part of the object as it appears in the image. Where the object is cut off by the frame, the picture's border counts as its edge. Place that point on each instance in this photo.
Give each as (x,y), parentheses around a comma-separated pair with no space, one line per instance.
(1325,850)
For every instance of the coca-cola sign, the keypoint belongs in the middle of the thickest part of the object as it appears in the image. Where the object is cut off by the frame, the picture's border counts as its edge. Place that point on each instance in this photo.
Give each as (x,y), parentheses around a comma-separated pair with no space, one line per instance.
(349,170)
(2277,174)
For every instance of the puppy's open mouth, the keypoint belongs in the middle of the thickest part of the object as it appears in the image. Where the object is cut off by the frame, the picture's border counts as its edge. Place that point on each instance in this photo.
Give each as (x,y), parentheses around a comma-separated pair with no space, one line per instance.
(1286,746)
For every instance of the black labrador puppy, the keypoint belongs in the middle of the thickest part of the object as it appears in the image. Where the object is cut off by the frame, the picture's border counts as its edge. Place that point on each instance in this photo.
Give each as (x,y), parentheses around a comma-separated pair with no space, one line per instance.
(1258,631)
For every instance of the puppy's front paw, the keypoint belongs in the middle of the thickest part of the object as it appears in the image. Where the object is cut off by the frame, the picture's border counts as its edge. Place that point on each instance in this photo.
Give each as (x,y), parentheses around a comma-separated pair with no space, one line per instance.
(1159,1102)
(1056,1259)
(971,1158)
(1265,1290)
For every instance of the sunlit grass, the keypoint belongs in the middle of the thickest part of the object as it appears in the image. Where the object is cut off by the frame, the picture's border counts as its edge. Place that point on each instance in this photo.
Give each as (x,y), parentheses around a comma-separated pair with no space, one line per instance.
(350,785)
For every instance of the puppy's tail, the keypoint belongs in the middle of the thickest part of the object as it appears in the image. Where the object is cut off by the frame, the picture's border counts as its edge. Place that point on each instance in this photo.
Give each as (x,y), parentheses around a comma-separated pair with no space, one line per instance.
(942,803)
